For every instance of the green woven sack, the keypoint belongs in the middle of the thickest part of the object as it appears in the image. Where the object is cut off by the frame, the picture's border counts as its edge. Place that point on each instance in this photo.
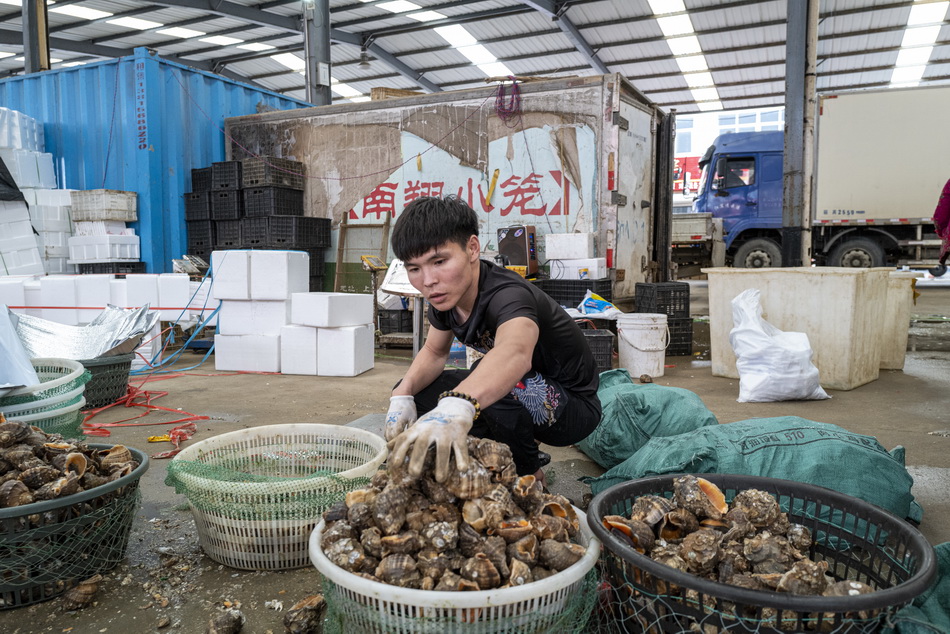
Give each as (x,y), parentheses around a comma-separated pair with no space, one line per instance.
(786,447)
(635,413)
(930,612)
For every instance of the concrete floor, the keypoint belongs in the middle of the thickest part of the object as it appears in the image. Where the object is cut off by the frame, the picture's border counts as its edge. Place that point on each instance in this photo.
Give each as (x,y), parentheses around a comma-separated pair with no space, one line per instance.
(167,584)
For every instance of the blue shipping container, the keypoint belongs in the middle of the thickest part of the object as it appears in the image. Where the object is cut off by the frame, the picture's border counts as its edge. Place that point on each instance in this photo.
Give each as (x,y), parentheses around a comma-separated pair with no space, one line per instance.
(137,123)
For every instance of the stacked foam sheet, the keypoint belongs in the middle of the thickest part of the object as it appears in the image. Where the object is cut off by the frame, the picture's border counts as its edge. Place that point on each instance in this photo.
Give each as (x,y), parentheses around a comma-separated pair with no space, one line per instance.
(21,149)
(50,215)
(570,256)
(19,252)
(268,322)
(101,233)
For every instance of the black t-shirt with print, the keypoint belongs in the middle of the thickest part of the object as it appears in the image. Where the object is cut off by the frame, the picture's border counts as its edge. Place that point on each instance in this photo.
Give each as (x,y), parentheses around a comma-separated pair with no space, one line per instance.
(561,352)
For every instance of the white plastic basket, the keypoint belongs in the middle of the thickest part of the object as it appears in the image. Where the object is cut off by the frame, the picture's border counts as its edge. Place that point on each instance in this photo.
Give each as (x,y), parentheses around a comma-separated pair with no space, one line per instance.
(42,405)
(103,204)
(57,376)
(533,607)
(238,538)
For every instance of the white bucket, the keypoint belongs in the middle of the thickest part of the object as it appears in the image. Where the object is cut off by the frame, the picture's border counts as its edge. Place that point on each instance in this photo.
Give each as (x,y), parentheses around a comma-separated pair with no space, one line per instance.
(642,341)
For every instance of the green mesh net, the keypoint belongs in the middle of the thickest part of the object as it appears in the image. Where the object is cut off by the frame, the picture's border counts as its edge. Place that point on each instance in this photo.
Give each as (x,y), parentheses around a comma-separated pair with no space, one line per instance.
(568,614)
(45,552)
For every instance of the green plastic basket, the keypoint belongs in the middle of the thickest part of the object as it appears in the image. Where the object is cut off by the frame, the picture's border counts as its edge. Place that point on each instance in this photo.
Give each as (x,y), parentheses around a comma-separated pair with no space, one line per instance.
(110,379)
(64,421)
(57,377)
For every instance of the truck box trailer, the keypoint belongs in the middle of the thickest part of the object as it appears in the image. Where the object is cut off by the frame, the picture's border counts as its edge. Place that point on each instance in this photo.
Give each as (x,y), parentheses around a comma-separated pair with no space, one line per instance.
(571,155)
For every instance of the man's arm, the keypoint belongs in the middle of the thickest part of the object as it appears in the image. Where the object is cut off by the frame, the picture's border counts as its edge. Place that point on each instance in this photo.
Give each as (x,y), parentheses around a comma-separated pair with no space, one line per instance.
(428,364)
(505,364)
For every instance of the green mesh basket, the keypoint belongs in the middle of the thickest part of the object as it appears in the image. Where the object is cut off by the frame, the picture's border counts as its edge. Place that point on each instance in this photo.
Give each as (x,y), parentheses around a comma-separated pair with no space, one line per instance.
(65,420)
(110,379)
(48,547)
(57,377)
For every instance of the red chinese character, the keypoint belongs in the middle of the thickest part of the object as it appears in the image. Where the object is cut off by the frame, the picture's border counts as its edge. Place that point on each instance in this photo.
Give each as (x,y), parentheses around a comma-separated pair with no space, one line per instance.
(470,196)
(416,189)
(522,194)
(380,201)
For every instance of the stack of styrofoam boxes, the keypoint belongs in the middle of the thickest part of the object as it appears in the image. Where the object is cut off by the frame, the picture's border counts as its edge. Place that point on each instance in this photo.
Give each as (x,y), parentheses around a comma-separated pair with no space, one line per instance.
(21,148)
(97,242)
(19,254)
(331,334)
(571,257)
(50,215)
(255,288)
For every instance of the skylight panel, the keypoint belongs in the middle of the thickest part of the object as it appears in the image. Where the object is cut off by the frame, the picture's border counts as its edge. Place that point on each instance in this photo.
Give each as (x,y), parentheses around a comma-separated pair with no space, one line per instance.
(477,54)
(289,60)
(76,11)
(221,40)
(456,35)
(686,45)
(178,31)
(256,46)
(136,23)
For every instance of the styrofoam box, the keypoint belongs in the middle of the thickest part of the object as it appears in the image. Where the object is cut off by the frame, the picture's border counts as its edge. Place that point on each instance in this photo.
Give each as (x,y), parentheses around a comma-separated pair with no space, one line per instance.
(173,295)
(247,353)
(27,170)
(249,317)
(13,211)
(103,248)
(15,231)
(53,197)
(119,293)
(582,269)
(568,246)
(331,310)
(51,218)
(44,168)
(201,305)
(58,266)
(345,351)
(11,291)
(142,289)
(298,350)
(22,261)
(150,352)
(279,274)
(31,293)
(59,290)
(59,239)
(93,292)
(101,228)
(231,274)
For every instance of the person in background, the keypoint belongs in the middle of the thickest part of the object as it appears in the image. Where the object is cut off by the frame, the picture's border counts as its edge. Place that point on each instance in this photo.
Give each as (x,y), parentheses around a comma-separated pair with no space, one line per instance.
(538,379)
(942,222)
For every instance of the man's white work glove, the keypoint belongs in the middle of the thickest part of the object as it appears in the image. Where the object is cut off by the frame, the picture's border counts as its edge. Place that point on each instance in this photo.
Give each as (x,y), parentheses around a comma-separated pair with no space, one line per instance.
(447,426)
(401,414)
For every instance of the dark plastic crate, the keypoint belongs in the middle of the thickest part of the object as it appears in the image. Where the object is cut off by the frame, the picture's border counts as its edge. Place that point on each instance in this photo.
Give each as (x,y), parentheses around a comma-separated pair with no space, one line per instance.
(229,234)
(601,343)
(669,298)
(394,321)
(197,206)
(110,379)
(570,293)
(201,179)
(113,268)
(681,336)
(201,233)
(316,283)
(226,204)
(226,175)
(318,265)
(286,232)
(270,170)
(273,201)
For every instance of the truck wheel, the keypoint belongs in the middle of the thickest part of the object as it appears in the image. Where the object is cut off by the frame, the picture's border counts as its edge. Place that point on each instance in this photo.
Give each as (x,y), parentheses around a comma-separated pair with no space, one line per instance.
(758,253)
(859,253)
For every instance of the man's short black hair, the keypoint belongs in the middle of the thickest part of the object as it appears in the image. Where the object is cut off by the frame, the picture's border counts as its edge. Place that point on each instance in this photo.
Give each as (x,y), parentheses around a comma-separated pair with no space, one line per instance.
(430,222)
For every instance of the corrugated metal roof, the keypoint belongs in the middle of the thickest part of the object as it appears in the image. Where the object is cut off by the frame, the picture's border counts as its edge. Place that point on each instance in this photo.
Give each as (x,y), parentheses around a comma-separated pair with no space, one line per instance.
(742,40)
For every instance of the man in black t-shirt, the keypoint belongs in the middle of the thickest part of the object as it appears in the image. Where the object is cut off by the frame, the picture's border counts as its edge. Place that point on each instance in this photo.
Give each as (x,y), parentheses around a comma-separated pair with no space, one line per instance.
(538,379)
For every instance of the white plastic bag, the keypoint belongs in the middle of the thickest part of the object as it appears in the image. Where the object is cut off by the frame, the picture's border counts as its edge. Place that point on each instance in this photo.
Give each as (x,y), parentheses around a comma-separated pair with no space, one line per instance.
(16,369)
(773,365)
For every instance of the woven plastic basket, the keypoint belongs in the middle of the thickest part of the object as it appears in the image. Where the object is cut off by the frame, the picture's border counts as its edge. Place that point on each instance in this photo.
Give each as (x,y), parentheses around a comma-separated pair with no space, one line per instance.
(64,420)
(110,379)
(47,547)
(257,494)
(859,541)
(365,606)
(44,404)
(57,376)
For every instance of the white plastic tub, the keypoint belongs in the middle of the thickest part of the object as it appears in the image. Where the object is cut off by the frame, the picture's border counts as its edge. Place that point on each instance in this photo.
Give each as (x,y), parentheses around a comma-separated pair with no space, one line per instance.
(373,607)
(840,309)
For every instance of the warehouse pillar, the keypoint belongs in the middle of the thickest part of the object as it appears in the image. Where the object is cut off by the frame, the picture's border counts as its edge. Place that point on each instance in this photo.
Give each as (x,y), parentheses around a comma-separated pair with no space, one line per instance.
(35,36)
(316,18)
(799,122)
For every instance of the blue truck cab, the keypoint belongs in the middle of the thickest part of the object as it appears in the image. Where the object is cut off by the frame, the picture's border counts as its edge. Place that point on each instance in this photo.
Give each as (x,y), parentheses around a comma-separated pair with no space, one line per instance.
(741,182)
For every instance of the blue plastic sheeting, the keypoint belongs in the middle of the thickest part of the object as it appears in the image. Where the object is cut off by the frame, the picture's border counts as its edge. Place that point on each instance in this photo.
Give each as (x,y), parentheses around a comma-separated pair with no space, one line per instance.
(137,123)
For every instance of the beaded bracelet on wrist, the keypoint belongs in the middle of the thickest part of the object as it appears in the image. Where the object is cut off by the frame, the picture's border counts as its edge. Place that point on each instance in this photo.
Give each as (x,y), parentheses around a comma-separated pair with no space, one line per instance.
(463,396)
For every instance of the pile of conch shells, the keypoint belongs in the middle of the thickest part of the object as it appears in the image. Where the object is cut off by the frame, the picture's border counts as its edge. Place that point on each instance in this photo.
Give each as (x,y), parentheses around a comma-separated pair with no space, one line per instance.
(482,528)
(36,466)
(749,543)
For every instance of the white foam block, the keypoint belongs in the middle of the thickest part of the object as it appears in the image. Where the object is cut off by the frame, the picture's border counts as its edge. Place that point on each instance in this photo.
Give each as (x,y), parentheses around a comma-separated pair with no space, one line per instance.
(331,310)
(59,290)
(201,305)
(23,260)
(56,197)
(251,317)
(568,246)
(58,266)
(279,274)
(13,211)
(231,272)
(150,352)
(93,292)
(14,231)
(31,292)
(345,351)
(44,168)
(247,353)
(11,292)
(580,269)
(50,218)
(173,295)
(298,350)
(142,289)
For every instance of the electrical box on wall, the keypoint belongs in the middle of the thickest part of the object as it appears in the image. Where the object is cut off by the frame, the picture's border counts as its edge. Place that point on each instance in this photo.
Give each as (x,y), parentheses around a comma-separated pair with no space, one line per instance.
(518,245)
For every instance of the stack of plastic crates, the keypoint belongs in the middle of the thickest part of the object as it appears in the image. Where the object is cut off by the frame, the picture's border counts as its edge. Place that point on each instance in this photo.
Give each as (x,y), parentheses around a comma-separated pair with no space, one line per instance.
(55,403)
(601,343)
(570,293)
(671,299)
